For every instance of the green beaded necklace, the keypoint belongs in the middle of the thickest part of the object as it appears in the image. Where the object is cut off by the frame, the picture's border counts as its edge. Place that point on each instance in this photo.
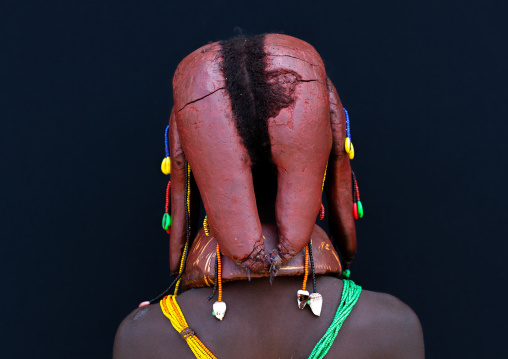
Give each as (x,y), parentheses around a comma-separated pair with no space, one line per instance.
(350,294)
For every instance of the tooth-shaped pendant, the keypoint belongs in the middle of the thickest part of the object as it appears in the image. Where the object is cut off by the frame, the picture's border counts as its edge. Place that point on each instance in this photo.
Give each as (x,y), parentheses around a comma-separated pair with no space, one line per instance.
(302,296)
(219,310)
(315,303)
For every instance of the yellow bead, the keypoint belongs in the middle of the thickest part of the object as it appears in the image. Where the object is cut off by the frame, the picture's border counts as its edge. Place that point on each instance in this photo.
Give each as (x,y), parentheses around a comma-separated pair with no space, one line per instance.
(166,165)
(348,144)
(205,227)
(352,152)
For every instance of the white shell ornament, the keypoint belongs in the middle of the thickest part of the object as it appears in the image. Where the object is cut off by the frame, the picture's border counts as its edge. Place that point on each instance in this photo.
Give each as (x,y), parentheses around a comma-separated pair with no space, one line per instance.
(219,310)
(315,303)
(301,298)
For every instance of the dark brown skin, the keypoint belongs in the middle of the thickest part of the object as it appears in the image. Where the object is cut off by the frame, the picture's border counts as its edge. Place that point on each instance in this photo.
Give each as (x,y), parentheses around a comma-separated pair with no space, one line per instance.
(263,321)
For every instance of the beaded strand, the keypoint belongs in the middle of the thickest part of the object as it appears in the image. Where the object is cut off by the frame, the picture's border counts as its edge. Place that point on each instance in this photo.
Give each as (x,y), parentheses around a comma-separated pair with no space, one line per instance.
(182,265)
(172,311)
(219,307)
(312,267)
(166,141)
(348,144)
(166,218)
(219,273)
(206,228)
(166,162)
(187,198)
(357,204)
(350,294)
(168,188)
(303,297)
(183,262)
(187,222)
(306,268)
(348,128)
(215,280)
(322,210)
(324,177)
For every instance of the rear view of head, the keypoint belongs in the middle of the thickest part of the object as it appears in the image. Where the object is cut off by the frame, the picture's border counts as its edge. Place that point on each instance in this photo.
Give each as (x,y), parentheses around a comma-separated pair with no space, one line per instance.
(259,123)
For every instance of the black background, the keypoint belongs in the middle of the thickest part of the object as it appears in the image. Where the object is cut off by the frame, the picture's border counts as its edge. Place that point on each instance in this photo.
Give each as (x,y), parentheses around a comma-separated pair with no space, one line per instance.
(86,94)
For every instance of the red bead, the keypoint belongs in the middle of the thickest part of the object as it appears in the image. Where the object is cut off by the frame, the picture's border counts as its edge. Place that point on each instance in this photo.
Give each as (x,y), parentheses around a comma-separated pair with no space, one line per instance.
(168,230)
(168,195)
(355,210)
(322,212)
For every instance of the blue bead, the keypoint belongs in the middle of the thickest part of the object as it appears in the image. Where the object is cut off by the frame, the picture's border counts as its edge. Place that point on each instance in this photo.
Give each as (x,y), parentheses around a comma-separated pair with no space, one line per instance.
(348,129)
(166,143)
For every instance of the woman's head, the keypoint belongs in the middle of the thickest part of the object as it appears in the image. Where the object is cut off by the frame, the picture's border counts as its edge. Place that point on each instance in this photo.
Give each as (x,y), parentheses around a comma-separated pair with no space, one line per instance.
(258,121)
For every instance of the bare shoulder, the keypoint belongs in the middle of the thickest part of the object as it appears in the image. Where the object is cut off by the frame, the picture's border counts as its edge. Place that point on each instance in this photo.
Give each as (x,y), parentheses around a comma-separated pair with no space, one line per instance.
(146,333)
(393,328)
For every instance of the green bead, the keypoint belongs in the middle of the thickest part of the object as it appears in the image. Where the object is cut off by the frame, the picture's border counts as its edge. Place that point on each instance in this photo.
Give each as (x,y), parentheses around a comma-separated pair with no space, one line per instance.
(360,209)
(213,313)
(166,221)
(308,302)
(346,273)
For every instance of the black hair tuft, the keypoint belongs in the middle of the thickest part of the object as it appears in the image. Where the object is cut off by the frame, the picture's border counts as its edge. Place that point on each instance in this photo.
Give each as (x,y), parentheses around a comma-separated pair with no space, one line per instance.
(254,96)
